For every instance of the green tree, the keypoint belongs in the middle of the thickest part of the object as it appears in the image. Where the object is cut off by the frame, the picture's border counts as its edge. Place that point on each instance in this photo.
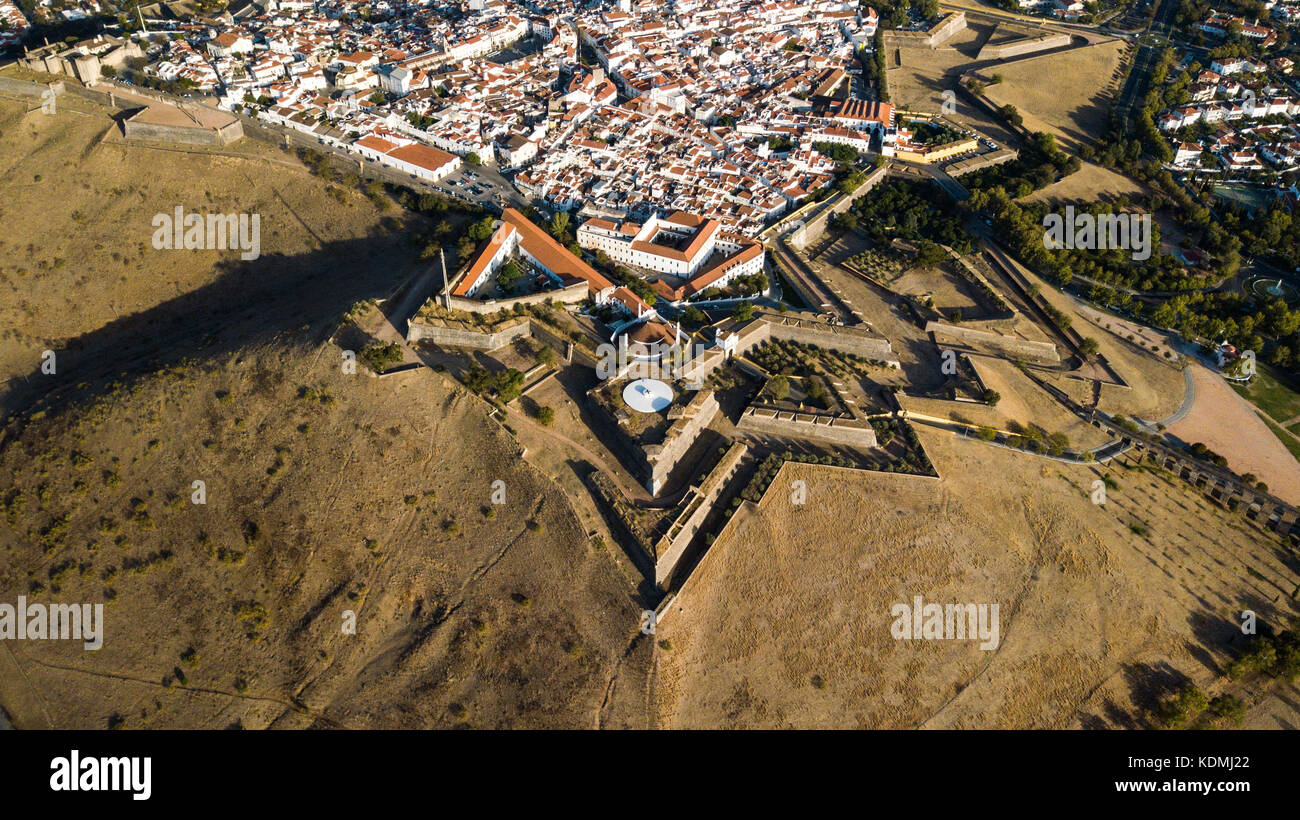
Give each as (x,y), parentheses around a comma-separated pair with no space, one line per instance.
(509,275)
(560,224)
(1229,708)
(930,255)
(779,387)
(482,229)
(1184,707)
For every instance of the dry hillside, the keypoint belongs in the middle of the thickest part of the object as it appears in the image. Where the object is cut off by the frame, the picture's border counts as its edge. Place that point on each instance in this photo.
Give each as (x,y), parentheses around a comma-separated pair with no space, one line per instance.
(1102,609)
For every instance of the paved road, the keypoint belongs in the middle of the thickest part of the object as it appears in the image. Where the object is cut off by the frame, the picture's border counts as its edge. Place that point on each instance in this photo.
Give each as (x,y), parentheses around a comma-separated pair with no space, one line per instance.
(976,9)
(1135,85)
(1189,398)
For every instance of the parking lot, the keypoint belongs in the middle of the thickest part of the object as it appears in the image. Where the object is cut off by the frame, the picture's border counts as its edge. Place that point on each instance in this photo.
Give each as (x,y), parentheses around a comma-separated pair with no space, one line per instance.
(480,185)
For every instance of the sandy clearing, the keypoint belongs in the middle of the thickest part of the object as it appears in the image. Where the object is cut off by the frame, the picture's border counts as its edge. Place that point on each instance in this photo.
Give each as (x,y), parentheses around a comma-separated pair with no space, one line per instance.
(1228,425)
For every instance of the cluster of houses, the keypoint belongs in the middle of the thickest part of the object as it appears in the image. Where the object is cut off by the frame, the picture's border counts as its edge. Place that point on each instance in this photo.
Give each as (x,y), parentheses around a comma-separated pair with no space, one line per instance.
(1240,118)
(1068,10)
(621,107)
(703,91)
(14,24)
(1221,25)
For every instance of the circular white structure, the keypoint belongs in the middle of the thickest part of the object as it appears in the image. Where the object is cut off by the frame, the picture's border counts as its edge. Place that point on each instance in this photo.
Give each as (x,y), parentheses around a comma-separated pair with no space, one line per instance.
(647,395)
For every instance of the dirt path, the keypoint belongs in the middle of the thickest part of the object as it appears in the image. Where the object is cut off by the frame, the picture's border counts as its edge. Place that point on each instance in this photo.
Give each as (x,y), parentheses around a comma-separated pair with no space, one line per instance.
(634,492)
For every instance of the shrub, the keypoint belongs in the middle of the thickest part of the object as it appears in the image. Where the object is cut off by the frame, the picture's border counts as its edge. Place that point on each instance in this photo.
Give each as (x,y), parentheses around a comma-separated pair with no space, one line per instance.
(1183,707)
(382,358)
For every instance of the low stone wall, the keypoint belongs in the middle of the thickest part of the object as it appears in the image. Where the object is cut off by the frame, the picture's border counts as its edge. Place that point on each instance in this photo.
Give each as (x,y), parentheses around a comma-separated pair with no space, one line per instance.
(983,341)
(571,295)
(839,430)
(467,337)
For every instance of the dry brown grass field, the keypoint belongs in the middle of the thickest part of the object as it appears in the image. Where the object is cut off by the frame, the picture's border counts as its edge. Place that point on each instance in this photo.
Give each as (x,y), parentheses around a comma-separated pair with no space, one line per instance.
(1091,183)
(786,623)
(918,78)
(325,492)
(78,202)
(1065,93)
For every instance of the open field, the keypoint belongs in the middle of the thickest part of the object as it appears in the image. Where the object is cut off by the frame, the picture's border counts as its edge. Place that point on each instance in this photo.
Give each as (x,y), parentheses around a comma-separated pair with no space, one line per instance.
(949,292)
(508,619)
(1156,388)
(324,492)
(78,203)
(1091,183)
(1228,425)
(1027,403)
(919,81)
(787,621)
(1289,441)
(919,76)
(1065,93)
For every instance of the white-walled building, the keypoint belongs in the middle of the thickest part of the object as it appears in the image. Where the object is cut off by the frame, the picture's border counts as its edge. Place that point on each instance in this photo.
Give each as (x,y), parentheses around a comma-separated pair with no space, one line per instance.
(679,244)
(686,246)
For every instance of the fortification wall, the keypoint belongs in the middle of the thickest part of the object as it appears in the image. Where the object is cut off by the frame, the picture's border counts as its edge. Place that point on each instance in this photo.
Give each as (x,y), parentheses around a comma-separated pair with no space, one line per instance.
(983,341)
(992,158)
(30,89)
(938,34)
(815,227)
(940,152)
(806,425)
(96,96)
(662,458)
(466,337)
(189,135)
(571,295)
(832,337)
(695,509)
(1021,47)
(131,128)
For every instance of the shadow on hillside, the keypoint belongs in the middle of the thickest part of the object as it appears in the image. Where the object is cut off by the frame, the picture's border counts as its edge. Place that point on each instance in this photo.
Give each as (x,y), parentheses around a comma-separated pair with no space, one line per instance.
(289,300)
(1150,684)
